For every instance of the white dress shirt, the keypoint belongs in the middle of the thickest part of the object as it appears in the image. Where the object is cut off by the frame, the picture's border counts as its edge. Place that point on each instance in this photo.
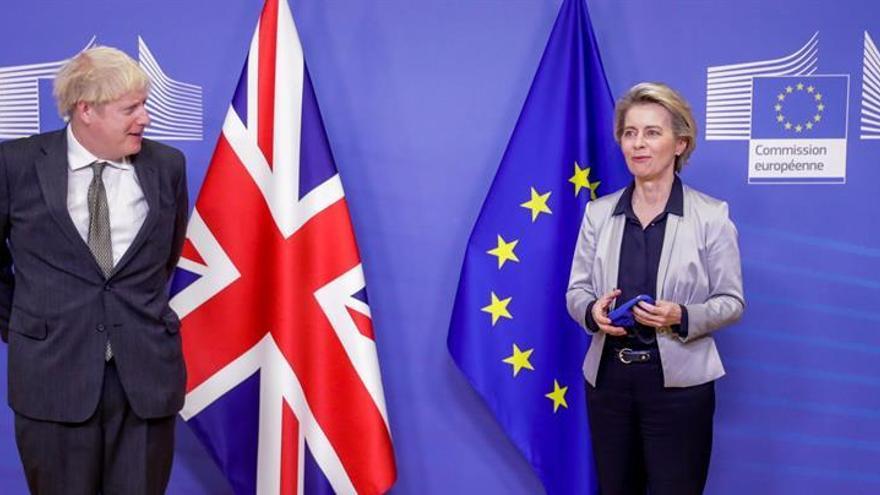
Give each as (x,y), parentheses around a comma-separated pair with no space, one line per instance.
(125,198)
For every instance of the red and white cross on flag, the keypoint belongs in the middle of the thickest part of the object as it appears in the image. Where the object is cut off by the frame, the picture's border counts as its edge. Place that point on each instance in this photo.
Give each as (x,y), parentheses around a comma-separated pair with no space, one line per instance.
(283,376)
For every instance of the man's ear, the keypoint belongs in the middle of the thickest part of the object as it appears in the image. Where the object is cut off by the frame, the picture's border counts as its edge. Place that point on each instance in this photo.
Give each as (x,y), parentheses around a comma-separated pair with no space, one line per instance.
(86,111)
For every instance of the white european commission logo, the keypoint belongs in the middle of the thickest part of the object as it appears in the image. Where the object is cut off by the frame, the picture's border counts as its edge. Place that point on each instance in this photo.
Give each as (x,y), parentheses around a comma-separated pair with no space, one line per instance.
(794,118)
(175,107)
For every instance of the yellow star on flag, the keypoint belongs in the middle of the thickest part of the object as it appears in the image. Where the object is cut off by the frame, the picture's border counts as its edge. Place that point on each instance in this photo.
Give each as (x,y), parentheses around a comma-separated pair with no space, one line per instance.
(557,396)
(519,360)
(581,179)
(538,204)
(498,308)
(504,251)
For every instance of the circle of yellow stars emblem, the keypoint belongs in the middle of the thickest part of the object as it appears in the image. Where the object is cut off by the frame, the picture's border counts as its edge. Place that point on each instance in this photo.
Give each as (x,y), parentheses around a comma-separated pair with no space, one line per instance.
(789,92)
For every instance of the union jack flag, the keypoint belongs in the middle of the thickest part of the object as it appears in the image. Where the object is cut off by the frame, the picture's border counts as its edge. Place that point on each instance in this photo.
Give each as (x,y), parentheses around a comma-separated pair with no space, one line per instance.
(283,376)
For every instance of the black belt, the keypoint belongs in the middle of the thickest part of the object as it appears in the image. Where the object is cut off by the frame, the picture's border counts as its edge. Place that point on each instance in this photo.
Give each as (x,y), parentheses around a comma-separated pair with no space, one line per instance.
(629,356)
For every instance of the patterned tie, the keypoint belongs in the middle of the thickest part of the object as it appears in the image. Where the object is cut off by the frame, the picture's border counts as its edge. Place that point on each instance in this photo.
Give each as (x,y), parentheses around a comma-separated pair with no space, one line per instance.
(99,228)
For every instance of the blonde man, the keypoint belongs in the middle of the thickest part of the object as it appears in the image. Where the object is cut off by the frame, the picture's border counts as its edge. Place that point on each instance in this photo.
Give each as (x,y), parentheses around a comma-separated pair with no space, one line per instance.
(93,218)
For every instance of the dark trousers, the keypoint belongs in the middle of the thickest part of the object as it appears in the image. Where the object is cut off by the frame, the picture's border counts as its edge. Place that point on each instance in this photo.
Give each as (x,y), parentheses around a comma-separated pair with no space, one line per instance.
(647,438)
(113,452)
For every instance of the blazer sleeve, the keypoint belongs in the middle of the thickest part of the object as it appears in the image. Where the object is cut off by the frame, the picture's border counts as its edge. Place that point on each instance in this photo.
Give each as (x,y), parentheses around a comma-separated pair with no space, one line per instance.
(725,302)
(180,217)
(7,280)
(581,292)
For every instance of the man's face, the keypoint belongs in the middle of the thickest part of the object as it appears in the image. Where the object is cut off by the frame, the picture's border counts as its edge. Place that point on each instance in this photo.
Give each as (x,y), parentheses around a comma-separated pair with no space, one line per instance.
(115,129)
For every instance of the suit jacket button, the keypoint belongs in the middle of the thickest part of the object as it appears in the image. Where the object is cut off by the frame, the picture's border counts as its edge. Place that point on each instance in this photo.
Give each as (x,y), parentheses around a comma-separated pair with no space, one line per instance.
(108,287)
(100,327)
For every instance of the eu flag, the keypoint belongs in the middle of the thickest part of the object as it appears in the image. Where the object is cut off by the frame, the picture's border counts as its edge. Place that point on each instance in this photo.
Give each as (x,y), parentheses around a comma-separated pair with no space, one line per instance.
(510,333)
(800,107)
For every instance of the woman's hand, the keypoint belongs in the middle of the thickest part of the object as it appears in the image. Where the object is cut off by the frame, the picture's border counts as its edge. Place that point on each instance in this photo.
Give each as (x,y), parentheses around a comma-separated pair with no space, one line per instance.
(658,315)
(600,314)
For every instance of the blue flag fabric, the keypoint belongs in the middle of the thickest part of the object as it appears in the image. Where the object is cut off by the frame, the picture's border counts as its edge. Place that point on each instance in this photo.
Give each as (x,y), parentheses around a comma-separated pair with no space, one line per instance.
(510,333)
(800,107)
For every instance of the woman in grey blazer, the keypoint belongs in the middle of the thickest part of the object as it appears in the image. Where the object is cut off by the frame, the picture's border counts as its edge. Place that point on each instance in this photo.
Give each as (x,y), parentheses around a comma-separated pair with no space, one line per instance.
(650,387)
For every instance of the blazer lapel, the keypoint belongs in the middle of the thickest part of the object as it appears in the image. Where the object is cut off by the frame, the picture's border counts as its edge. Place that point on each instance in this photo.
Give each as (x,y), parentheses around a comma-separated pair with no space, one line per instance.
(52,170)
(148,177)
(672,222)
(618,222)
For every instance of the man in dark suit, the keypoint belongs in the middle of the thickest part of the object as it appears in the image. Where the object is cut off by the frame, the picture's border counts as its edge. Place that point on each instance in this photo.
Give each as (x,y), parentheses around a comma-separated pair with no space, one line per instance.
(92,222)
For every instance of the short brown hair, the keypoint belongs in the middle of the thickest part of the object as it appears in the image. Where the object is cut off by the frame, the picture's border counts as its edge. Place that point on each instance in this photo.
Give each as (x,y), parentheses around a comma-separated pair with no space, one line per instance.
(683,124)
(98,75)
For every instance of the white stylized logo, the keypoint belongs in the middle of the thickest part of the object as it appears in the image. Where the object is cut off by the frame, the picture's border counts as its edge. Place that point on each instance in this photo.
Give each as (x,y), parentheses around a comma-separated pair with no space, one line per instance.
(794,119)
(175,107)
(729,89)
(870,121)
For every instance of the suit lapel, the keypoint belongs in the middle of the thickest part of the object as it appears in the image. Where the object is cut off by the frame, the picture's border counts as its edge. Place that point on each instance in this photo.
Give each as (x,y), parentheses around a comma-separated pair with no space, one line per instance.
(148,177)
(52,171)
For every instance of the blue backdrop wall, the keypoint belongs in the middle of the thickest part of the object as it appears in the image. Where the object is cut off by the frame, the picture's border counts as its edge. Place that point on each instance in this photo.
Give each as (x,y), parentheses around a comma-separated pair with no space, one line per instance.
(419,99)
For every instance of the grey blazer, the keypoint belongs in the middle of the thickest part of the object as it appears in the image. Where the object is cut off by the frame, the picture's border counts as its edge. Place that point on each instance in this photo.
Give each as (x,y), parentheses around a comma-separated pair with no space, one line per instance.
(699,268)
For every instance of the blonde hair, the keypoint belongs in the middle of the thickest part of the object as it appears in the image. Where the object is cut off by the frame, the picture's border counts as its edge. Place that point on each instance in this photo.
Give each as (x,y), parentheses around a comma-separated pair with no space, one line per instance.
(97,76)
(683,124)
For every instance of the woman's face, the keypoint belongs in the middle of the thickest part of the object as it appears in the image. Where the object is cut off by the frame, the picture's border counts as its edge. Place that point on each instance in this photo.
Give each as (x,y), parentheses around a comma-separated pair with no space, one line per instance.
(648,143)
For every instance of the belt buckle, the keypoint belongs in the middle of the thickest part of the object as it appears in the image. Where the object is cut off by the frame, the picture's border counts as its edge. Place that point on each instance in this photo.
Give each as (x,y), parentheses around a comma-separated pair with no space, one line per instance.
(623,359)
